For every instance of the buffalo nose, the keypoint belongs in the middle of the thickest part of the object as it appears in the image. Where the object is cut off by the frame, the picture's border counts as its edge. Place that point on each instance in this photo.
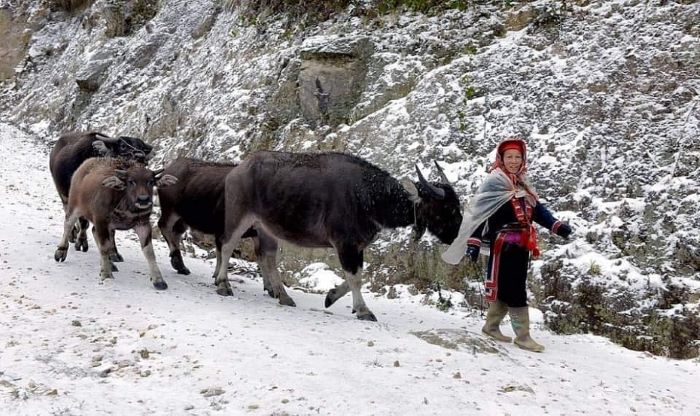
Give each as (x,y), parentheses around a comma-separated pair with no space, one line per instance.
(143,199)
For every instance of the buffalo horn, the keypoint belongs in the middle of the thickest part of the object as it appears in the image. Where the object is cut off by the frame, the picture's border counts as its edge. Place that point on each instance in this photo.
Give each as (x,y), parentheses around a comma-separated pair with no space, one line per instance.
(442,173)
(158,172)
(107,139)
(437,192)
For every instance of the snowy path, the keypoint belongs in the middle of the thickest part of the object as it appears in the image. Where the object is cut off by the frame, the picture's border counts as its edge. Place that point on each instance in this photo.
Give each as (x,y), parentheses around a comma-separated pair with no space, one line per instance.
(72,346)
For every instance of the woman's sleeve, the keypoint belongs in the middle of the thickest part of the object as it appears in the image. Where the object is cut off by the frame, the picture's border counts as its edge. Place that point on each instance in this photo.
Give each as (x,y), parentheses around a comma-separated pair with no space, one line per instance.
(543,217)
(475,238)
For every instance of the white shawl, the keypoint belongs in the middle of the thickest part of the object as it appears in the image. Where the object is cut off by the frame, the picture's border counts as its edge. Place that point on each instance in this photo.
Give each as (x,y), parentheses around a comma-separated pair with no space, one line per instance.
(496,190)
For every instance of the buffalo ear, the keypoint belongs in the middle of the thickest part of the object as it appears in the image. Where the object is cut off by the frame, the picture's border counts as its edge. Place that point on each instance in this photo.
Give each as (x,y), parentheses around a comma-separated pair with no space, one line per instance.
(166,180)
(114,183)
(419,225)
(410,187)
(101,148)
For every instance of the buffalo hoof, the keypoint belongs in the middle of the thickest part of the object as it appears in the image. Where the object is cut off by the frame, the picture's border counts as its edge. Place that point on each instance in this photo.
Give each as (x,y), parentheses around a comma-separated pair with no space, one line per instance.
(178,264)
(367,316)
(114,267)
(116,258)
(81,245)
(160,285)
(330,297)
(60,254)
(270,292)
(105,275)
(287,301)
(224,290)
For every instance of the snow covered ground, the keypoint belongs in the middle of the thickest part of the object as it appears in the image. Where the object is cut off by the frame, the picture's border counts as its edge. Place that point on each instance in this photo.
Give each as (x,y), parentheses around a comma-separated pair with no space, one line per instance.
(70,345)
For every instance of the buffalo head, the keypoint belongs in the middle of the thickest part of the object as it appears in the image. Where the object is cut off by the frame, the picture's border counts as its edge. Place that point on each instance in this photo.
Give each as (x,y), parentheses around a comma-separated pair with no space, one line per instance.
(137,182)
(131,148)
(437,207)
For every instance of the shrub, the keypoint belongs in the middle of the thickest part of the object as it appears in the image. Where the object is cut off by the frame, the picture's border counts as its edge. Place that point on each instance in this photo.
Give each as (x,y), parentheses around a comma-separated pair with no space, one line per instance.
(250,10)
(68,5)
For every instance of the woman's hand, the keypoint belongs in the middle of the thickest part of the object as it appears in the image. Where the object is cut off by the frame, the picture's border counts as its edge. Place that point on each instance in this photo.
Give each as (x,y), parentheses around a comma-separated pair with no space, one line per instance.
(473,252)
(564,230)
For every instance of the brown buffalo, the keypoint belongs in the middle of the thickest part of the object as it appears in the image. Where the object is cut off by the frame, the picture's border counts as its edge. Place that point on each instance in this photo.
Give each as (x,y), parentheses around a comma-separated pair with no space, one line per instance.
(72,149)
(114,195)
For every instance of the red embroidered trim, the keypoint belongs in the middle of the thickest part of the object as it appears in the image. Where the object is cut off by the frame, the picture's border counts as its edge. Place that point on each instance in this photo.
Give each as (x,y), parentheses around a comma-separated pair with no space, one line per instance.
(555,227)
(474,242)
(491,283)
(524,217)
(532,242)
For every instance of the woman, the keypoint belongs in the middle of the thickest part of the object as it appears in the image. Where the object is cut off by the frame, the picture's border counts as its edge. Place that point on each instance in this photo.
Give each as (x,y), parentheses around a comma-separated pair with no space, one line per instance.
(502,212)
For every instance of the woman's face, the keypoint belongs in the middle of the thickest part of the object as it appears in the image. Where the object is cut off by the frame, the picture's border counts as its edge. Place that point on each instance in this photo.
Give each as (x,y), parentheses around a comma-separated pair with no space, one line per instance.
(513,160)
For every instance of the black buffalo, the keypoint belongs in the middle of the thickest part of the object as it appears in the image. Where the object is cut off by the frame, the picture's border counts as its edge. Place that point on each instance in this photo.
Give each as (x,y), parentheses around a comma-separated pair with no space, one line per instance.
(197,201)
(329,200)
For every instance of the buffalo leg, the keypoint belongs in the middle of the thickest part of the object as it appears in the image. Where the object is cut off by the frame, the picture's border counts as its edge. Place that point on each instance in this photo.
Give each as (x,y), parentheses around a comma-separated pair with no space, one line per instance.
(237,223)
(115,256)
(145,237)
(230,241)
(267,260)
(172,227)
(267,287)
(176,255)
(217,251)
(337,293)
(74,231)
(94,237)
(105,246)
(68,224)
(81,242)
(351,260)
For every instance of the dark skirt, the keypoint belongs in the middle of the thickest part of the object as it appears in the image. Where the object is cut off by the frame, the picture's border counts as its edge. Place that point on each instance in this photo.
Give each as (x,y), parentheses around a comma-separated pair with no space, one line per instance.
(507,273)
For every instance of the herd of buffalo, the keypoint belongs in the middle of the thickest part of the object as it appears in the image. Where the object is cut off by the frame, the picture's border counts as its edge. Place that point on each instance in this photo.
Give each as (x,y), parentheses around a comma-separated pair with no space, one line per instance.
(312,200)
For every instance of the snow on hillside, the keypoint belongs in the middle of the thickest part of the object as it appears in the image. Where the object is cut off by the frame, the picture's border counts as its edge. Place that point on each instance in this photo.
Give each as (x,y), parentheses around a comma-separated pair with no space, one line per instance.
(70,345)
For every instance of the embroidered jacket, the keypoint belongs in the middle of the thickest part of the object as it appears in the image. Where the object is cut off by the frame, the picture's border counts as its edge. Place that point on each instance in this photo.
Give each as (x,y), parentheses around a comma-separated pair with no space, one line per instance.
(505,219)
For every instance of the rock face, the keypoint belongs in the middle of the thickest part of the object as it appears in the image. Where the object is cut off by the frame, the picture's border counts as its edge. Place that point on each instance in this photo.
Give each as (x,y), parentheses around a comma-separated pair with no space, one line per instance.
(606,94)
(15,43)
(331,78)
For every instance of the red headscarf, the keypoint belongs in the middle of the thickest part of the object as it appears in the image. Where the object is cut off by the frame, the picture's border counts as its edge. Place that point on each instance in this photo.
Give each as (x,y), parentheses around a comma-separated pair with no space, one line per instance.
(507,144)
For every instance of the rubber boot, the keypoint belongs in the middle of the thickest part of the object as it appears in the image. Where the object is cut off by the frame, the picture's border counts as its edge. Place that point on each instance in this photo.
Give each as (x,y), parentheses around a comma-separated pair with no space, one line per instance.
(520,319)
(497,311)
